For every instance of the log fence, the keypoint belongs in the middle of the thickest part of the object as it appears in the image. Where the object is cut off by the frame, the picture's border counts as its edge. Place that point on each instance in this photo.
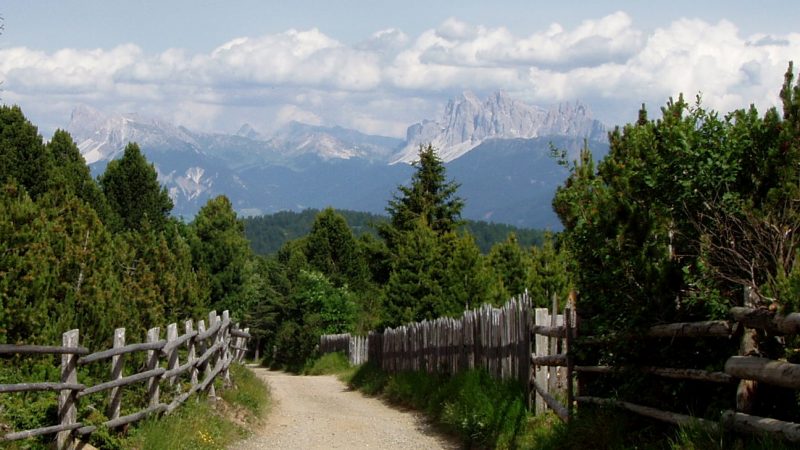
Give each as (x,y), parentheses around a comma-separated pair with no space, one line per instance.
(536,347)
(219,345)
(747,369)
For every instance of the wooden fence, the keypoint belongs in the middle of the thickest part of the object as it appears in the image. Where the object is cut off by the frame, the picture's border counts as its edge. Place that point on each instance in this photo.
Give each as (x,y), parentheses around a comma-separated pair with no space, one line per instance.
(535,347)
(217,346)
(746,370)
(354,347)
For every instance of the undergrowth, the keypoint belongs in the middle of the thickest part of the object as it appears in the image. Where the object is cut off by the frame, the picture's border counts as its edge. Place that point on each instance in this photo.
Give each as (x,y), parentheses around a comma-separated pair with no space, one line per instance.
(328,364)
(197,424)
(487,413)
(203,424)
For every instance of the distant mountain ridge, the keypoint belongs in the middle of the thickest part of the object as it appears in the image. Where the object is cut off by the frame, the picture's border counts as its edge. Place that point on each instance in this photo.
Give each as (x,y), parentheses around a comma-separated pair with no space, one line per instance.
(496,149)
(467,122)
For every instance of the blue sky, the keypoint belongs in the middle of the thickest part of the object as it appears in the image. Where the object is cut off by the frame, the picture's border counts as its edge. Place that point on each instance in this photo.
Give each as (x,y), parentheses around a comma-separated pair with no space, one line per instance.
(379,66)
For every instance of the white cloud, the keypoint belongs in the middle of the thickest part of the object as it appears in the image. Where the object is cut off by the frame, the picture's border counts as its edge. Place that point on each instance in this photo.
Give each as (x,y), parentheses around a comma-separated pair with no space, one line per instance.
(390,79)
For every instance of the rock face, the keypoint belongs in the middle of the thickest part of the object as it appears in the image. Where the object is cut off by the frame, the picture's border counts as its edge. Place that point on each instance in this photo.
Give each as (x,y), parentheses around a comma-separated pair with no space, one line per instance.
(467,122)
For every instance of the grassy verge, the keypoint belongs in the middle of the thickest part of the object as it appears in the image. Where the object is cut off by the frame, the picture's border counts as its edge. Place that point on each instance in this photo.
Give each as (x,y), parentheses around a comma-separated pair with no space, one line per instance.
(487,413)
(203,424)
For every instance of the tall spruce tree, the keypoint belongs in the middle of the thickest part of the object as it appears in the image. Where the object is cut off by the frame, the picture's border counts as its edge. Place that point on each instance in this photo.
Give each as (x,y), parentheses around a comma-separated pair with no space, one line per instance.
(430,197)
(23,155)
(133,192)
(221,251)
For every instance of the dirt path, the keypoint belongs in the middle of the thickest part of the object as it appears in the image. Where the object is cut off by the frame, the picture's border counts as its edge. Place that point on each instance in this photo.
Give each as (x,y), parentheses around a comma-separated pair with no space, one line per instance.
(322,413)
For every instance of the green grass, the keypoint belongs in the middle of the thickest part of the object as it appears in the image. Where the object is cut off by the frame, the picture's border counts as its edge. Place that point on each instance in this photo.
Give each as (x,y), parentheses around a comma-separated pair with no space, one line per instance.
(483,412)
(205,425)
(328,364)
(487,413)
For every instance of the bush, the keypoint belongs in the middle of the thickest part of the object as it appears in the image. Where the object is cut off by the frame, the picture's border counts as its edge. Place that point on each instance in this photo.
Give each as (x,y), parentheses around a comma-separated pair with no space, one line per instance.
(327,364)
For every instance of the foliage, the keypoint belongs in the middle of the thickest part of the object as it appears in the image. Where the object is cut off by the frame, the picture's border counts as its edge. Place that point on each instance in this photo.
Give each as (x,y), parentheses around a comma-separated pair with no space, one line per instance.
(482,411)
(430,199)
(268,233)
(511,266)
(328,364)
(314,307)
(133,193)
(332,250)
(23,156)
(221,252)
(683,212)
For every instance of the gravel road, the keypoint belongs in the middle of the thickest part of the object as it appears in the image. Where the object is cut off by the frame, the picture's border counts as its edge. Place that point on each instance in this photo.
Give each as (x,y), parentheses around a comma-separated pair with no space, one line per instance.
(320,412)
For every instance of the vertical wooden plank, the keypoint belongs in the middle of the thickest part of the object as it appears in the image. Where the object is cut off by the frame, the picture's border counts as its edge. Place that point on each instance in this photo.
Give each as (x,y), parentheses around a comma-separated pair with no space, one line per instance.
(153,335)
(117,364)
(202,346)
(570,362)
(552,376)
(213,360)
(245,343)
(541,317)
(191,345)
(746,390)
(67,409)
(226,348)
(172,358)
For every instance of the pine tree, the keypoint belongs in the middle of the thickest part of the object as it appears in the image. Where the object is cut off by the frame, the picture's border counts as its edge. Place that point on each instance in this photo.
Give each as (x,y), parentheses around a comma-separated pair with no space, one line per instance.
(221,250)
(332,250)
(430,197)
(23,155)
(131,187)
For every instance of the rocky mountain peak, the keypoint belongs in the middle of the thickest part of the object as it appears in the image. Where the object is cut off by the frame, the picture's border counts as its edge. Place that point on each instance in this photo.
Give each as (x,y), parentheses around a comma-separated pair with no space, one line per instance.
(468,121)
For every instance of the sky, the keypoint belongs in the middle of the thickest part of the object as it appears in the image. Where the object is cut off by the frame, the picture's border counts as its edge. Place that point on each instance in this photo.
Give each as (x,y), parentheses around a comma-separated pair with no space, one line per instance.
(380,66)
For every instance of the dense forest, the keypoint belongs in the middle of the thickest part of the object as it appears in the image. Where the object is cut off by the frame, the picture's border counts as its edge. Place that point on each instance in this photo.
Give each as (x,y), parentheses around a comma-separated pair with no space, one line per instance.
(268,233)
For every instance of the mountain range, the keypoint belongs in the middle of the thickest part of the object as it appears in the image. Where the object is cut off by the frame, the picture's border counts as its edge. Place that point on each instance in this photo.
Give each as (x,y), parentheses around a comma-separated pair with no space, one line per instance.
(497,149)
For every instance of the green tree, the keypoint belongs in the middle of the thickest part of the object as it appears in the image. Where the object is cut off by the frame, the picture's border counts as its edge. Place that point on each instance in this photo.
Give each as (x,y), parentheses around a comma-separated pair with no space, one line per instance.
(430,197)
(131,187)
(221,251)
(511,266)
(414,290)
(57,270)
(332,249)
(550,272)
(72,174)
(23,155)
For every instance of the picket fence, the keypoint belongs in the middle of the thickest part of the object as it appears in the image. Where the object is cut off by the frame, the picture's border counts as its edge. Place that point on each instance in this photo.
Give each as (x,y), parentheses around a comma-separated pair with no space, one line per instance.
(536,347)
(499,340)
(218,346)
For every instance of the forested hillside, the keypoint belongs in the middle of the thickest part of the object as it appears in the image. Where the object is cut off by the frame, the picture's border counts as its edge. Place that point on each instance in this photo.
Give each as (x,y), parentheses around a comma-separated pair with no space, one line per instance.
(268,233)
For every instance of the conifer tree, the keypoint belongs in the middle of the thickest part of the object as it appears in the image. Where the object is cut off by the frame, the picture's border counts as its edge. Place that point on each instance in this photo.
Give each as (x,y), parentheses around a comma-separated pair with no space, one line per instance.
(430,197)
(23,155)
(131,187)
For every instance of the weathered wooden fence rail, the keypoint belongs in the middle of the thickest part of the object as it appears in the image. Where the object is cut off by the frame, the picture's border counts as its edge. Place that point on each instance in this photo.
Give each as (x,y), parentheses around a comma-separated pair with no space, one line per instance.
(536,347)
(746,369)
(218,346)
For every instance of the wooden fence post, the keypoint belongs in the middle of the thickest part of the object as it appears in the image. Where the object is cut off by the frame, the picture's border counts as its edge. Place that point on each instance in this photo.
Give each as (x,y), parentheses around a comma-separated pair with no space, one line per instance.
(552,347)
(212,361)
(570,362)
(67,410)
(117,363)
(244,346)
(540,373)
(202,346)
(172,357)
(226,348)
(746,391)
(152,363)
(191,345)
